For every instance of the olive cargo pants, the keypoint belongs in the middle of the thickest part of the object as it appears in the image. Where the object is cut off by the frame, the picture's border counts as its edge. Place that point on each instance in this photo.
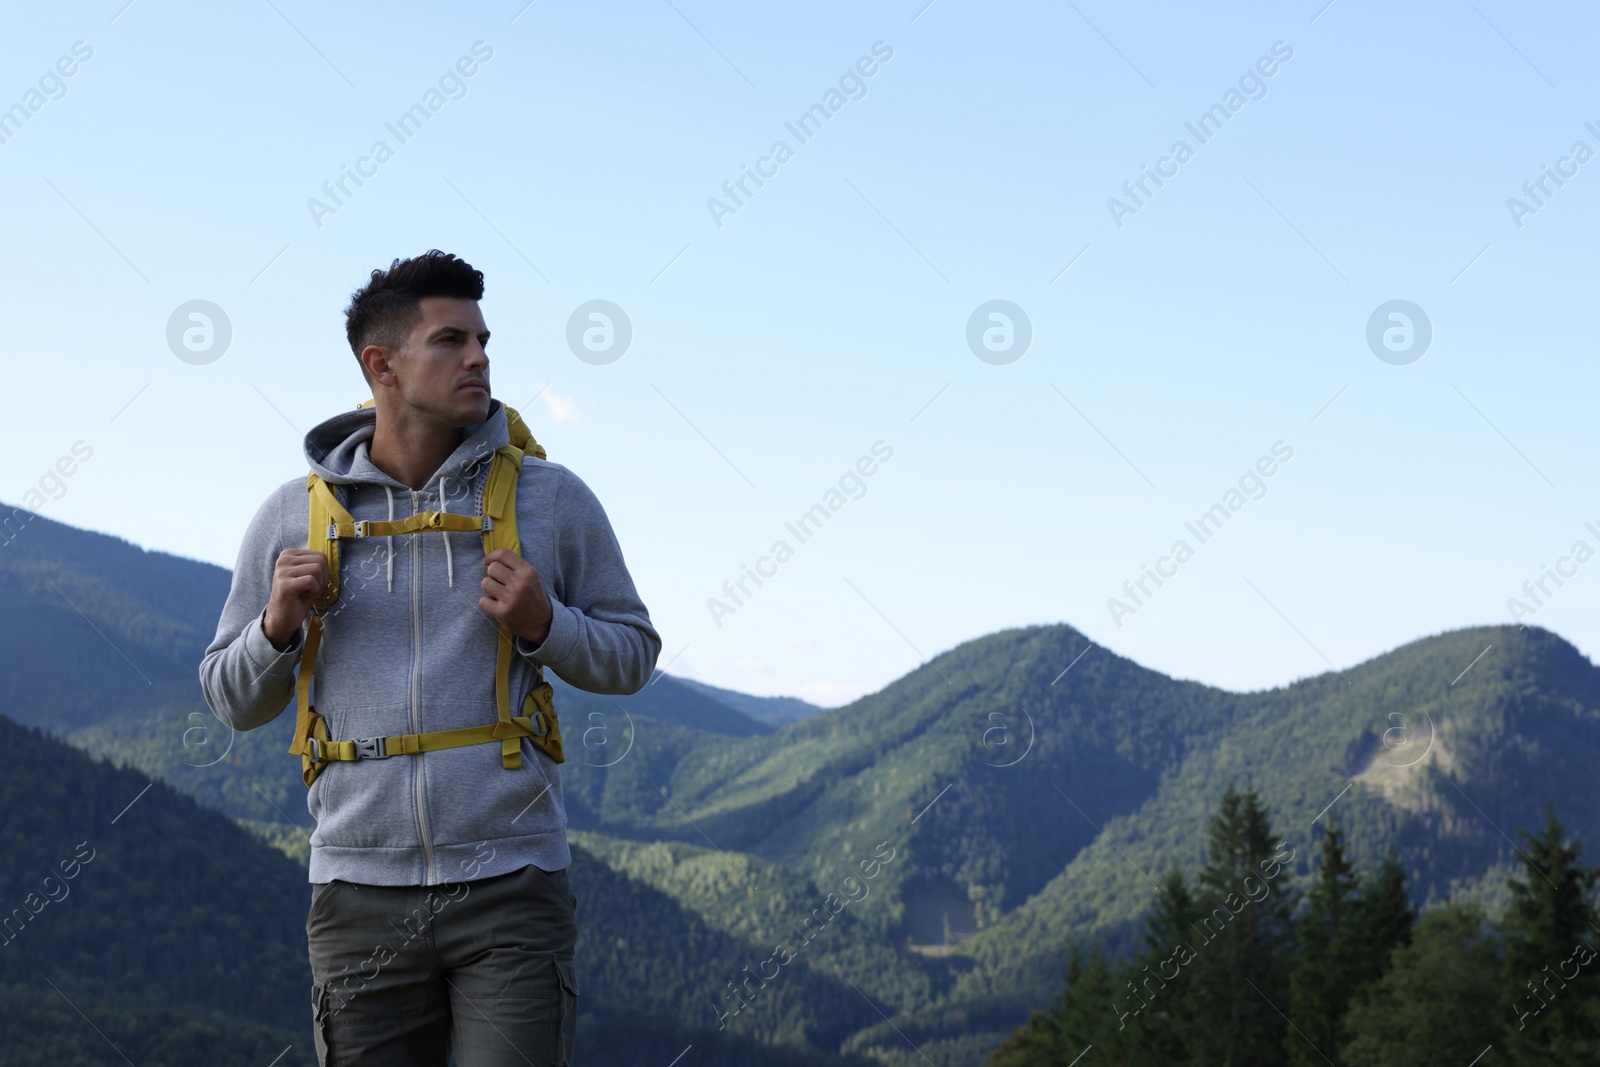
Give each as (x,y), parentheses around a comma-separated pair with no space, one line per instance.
(483,969)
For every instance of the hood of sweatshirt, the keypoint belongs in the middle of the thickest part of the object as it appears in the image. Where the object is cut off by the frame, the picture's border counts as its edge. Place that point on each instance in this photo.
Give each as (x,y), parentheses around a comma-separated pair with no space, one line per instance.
(339,449)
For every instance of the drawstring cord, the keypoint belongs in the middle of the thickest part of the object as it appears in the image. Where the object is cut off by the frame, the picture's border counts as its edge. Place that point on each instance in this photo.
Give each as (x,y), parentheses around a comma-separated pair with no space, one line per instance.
(444,509)
(390,539)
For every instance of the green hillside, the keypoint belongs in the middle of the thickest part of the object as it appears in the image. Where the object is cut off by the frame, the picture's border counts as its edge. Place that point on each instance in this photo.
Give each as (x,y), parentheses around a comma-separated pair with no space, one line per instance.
(95,627)
(1520,728)
(131,910)
(1014,854)
(181,940)
(1032,786)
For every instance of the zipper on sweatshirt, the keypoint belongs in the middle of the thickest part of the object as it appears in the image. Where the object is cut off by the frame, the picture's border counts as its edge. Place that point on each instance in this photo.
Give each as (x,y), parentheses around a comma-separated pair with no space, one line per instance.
(416,672)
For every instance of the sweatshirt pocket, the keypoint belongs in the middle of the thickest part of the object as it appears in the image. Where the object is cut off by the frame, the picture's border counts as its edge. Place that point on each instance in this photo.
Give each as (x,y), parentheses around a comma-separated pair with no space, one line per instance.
(472,796)
(367,803)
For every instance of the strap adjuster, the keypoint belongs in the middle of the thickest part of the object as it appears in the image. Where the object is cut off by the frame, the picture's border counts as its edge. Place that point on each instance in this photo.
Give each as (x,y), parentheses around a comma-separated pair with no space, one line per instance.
(313,747)
(371,748)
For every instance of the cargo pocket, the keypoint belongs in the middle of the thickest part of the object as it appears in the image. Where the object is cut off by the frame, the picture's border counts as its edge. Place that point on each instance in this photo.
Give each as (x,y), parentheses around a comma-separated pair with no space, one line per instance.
(567,970)
(319,1024)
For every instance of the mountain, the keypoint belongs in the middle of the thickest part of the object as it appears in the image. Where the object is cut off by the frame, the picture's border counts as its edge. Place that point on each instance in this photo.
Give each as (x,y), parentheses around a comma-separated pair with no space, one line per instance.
(140,924)
(96,628)
(1441,750)
(1015,794)
(131,910)
(774,711)
(665,699)
(1412,751)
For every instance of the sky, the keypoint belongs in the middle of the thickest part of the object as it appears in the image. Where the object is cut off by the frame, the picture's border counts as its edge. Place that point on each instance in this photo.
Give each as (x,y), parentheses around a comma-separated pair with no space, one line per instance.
(951,277)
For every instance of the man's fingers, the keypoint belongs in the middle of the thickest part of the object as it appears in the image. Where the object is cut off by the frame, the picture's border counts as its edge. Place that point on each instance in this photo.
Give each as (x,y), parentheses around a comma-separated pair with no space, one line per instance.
(507,559)
(501,573)
(303,588)
(308,584)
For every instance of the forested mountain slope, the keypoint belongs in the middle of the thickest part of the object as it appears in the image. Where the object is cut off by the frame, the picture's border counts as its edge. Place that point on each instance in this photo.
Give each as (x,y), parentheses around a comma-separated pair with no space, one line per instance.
(1031,786)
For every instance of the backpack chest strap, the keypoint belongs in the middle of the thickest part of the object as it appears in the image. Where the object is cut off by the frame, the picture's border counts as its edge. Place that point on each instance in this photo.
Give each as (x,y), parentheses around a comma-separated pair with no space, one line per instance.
(421,522)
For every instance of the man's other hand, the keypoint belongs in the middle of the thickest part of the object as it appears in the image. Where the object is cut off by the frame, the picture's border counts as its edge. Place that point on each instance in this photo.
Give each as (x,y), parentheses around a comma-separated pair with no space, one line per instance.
(514,596)
(299,577)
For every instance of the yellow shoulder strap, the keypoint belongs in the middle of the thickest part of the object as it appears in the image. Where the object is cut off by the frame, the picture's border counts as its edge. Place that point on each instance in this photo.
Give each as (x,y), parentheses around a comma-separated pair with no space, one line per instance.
(325,510)
(538,709)
(520,434)
(500,505)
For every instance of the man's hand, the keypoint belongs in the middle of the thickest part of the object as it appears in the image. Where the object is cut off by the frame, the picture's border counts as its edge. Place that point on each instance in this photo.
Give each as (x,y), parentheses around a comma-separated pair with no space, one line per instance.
(514,596)
(299,577)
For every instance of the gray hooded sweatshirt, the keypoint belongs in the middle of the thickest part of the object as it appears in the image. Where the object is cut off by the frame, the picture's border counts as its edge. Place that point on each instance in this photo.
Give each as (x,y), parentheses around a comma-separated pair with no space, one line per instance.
(406,649)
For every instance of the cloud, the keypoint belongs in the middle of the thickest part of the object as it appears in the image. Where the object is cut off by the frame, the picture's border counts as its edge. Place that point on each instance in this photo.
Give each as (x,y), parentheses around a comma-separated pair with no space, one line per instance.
(561,408)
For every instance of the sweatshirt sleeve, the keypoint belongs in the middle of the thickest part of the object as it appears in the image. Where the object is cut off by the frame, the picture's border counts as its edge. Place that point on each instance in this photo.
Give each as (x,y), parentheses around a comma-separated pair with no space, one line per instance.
(600,638)
(247,682)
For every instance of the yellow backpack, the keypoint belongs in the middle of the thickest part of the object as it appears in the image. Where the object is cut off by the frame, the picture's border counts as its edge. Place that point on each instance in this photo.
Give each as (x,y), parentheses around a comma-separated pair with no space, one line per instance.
(329,524)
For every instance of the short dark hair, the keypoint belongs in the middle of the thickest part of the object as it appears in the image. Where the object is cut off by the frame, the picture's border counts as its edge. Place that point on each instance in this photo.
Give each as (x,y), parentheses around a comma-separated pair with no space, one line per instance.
(383,311)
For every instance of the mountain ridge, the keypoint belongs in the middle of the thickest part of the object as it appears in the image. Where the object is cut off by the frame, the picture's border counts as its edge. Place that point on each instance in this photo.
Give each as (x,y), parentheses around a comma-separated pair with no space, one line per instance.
(1032,784)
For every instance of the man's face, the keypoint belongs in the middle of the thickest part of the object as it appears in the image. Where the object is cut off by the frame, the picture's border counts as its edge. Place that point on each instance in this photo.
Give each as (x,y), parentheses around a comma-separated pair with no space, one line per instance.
(443,368)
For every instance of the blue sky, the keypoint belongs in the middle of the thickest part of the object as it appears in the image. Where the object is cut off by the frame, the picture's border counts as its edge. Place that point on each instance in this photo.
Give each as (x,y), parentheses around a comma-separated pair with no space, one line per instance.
(771,352)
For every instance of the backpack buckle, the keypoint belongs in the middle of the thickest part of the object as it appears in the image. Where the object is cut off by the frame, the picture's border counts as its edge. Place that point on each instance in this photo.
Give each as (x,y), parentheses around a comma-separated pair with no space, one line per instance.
(371,748)
(314,748)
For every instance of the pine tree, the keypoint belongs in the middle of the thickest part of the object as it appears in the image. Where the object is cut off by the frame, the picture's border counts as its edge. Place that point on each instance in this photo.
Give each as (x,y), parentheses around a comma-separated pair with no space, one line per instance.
(1551,964)
(1088,1016)
(1033,1044)
(1384,918)
(1081,1017)
(1160,972)
(1244,940)
(1321,982)
(1344,939)
(1435,1005)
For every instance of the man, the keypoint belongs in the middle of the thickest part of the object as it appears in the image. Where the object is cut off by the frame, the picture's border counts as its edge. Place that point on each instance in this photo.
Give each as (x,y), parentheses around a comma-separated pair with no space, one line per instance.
(441,916)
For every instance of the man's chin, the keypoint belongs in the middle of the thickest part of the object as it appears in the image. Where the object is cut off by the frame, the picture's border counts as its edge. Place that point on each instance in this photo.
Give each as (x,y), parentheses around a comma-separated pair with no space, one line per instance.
(474,407)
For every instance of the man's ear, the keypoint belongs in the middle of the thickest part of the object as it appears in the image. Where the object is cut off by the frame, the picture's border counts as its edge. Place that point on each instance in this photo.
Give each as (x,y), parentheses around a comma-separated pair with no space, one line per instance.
(378,361)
